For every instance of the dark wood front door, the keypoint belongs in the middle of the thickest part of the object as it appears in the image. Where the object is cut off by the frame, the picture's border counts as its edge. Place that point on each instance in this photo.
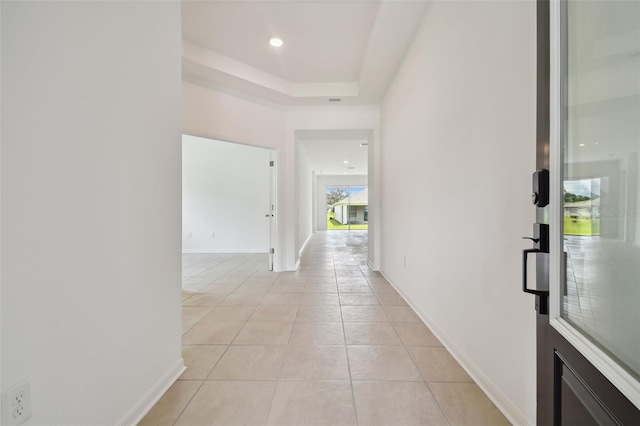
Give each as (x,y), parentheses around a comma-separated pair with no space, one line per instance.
(587,257)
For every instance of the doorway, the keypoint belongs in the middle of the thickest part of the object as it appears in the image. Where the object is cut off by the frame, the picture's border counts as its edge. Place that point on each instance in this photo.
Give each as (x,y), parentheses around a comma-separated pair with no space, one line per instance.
(228,198)
(337,158)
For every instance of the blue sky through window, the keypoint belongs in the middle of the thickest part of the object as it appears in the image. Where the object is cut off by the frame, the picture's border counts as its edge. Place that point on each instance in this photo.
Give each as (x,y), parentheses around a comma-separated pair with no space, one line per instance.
(347,189)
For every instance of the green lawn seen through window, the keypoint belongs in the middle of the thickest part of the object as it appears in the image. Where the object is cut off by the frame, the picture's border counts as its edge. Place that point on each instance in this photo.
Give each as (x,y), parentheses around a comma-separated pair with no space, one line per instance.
(334,224)
(581,226)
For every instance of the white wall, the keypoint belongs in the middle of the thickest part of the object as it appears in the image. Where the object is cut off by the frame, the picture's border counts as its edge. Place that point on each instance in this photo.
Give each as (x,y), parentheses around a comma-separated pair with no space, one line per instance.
(90,205)
(458,149)
(225,190)
(322,182)
(305,197)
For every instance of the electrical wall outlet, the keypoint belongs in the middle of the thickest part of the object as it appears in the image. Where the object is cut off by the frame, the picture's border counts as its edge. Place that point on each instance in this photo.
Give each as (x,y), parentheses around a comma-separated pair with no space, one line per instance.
(16,404)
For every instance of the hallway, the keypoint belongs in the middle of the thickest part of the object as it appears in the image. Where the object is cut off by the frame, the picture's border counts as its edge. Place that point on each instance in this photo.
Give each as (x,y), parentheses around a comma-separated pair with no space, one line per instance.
(332,343)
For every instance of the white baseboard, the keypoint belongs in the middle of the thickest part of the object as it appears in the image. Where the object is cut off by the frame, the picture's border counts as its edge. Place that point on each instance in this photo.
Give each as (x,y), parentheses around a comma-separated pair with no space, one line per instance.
(304,245)
(512,413)
(373,268)
(193,251)
(137,413)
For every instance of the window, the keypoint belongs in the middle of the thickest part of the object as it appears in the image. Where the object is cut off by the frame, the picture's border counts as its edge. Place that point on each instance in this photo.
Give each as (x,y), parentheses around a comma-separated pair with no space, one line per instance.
(353,213)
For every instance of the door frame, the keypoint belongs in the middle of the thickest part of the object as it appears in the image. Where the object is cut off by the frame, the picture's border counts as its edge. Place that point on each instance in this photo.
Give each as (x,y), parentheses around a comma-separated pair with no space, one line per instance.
(618,376)
(372,135)
(272,210)
(272,207)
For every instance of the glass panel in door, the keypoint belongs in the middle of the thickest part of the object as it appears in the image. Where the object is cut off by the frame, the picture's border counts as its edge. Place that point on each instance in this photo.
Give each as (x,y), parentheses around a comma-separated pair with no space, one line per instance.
(601,190)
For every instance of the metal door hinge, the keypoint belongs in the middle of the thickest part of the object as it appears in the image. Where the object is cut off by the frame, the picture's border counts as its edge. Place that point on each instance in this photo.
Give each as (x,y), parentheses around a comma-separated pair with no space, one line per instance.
(273,251)
(272,163)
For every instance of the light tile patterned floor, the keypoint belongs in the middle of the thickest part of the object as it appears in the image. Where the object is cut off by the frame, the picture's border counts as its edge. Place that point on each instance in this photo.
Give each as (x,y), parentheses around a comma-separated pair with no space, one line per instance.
(330,344)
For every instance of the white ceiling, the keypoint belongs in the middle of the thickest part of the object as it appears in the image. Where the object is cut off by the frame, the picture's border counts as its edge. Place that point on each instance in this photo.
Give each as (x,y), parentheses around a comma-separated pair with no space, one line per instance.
(327,157)
(317,36)
(344,49)
(327,150)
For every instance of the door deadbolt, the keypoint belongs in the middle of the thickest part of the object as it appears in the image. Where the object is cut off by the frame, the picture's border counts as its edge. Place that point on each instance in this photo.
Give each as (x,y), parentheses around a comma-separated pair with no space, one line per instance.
(540,183)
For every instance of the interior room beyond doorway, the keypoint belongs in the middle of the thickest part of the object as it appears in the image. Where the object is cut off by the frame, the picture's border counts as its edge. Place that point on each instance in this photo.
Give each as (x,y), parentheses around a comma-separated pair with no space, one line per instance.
(226,194)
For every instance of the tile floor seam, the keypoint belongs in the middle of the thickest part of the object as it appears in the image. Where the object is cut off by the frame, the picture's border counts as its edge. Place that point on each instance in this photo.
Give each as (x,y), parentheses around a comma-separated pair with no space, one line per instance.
(409,352)
(196,323)
(452,382)
(187,404)
(353,395)
(209,372)
(286,351)
(438,402)
(414,361)
(275,388)
(422,375)
(419,370)
(273,395)
(216,363)
(238,332)
(251,380)
(393,324)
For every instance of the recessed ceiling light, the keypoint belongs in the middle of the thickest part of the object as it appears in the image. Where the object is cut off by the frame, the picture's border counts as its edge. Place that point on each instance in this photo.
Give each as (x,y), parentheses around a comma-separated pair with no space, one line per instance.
(346,162)
(276,42)
(581,144)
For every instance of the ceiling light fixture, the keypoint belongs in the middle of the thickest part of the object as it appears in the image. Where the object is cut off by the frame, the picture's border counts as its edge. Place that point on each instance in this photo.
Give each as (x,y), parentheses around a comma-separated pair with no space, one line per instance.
(581,144)
(276,42)
(346,162)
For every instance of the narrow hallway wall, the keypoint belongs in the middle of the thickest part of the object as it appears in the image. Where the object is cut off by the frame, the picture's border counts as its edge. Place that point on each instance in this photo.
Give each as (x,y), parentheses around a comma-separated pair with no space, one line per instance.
(458,150)
(305,197)
(90,206)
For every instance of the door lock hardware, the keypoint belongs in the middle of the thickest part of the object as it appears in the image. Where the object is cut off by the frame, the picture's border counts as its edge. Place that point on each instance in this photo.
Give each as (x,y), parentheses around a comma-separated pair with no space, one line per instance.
(540,237)
(535,240)
(540,195)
